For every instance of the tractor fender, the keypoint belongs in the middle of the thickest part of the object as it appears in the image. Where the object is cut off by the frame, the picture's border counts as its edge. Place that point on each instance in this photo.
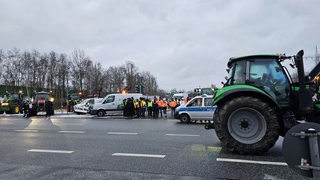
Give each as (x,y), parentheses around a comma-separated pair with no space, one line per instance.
(229,92)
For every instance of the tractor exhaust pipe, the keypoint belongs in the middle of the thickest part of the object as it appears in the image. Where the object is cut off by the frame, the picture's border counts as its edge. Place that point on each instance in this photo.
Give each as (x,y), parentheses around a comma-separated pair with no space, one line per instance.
(305,95)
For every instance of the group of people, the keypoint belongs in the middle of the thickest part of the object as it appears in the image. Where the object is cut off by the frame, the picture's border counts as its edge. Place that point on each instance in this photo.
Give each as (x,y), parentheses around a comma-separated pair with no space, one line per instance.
(143,107)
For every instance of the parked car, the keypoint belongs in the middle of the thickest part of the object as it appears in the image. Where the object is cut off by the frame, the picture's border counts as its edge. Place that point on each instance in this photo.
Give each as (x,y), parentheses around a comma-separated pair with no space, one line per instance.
(83,107)
(198,108)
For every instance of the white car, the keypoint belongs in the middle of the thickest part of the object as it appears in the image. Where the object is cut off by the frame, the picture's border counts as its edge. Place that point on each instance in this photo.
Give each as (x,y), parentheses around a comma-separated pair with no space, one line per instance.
(83,107)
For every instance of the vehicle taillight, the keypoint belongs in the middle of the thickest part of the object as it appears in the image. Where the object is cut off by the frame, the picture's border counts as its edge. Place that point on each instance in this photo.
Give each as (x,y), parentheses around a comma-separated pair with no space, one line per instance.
(41,101)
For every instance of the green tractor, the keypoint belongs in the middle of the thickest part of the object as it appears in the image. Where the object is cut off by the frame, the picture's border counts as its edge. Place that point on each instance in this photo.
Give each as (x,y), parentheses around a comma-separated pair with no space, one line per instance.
(260,102)
(12,104)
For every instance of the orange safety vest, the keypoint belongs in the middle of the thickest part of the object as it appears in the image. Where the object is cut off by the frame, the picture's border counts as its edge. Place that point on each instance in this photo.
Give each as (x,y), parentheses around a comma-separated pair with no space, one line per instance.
(161,103)
(172,104)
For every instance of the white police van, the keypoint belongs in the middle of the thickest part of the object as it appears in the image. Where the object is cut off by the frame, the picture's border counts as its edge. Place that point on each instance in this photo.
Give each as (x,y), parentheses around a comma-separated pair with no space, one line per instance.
(198,108)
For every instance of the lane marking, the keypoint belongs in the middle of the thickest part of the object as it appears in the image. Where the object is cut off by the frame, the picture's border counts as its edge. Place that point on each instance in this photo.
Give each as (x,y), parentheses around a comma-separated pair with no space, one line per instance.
(122,133)
(68,124)
(189,135)
(72,132)
(50,151)
(139,155)
(27,130)
(252,161)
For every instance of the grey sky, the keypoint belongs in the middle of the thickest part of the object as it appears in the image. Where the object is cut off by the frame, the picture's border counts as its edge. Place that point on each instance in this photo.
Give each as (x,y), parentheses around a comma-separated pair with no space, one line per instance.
(183,43)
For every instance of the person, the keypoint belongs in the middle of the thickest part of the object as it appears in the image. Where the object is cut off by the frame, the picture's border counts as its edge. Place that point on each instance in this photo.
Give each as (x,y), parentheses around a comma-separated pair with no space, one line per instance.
(143,106)
(155,109)
(49,108)
(162,107)
(172,105)
(125,107)
(149,107)
(130,107)
(26,108)
(239,77)
(136,108)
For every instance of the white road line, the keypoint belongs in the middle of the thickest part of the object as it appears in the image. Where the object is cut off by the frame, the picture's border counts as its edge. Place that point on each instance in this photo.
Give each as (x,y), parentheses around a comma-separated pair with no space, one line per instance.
(50,151)
(252,161)
(122,133)
(27,130)
(72,132)
(182,135)
(139,155)
(68,124)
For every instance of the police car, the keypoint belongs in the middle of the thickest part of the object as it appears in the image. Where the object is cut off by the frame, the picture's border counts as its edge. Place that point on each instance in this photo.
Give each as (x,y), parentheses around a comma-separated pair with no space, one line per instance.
(198,108)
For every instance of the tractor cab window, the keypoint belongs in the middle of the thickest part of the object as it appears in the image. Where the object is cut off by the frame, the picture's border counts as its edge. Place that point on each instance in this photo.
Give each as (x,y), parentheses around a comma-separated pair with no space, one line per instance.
(239,76)
(269,75)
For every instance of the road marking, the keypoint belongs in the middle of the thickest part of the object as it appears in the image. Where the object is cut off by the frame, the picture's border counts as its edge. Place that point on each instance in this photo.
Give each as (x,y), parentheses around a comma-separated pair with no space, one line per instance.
(68,124)
(139,155)
(182,135)
(122,133)
(50,151)
(72,132)
(27,130)
(252,161)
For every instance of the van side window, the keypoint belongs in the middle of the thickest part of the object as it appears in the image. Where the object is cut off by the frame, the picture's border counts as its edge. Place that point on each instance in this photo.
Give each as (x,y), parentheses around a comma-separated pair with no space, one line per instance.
(109,99)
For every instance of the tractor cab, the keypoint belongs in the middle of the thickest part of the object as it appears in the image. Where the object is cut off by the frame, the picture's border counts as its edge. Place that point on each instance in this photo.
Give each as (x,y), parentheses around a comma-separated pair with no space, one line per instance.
(264,72)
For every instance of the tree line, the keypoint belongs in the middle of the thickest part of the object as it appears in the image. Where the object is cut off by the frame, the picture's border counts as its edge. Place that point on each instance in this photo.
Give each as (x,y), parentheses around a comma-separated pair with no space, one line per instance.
(77,72)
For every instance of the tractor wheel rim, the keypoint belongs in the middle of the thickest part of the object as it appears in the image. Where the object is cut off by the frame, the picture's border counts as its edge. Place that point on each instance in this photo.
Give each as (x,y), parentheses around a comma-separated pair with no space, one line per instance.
(16,109)
(247,125)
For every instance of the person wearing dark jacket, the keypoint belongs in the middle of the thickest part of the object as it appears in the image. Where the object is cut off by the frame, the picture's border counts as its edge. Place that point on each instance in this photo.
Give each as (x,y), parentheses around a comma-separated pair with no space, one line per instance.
(26,108)
(49,108)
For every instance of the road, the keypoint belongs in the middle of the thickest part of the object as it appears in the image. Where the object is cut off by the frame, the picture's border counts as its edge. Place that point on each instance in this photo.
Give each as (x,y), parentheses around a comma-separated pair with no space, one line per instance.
(84,147)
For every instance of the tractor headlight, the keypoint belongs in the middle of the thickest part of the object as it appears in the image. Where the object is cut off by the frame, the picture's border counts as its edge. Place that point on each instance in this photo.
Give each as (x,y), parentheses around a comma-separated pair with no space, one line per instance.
(5,104)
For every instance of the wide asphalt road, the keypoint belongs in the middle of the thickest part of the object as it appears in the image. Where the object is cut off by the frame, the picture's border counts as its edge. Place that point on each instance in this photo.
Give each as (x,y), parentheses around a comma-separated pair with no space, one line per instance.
(84,147)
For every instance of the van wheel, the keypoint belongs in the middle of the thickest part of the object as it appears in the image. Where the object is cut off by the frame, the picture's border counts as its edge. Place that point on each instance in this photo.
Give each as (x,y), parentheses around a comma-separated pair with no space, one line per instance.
(184,118)
(100,113)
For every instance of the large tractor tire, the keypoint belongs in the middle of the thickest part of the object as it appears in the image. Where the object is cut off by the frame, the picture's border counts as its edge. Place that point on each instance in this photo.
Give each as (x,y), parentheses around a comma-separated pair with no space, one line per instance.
(15,109)
(246,125)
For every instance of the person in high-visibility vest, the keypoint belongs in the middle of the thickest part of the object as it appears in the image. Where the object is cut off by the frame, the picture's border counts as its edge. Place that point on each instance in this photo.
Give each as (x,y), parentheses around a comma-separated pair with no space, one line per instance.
(142,107)
(136,107)
(149,107)
(162,104)
(172,104)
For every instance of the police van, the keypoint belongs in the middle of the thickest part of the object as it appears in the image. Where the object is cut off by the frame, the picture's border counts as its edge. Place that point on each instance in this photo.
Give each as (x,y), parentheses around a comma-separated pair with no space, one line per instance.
(112,104)
(198,108)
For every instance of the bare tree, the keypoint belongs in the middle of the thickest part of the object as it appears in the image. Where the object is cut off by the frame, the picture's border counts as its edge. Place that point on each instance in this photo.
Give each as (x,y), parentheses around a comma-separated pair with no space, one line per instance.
(81,63)
(131,72)
(117,76)
(97,79)
(149,83)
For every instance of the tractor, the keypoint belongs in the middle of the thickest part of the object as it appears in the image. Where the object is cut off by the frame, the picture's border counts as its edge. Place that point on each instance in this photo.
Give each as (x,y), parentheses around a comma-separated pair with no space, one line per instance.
(261,100)
(12,104)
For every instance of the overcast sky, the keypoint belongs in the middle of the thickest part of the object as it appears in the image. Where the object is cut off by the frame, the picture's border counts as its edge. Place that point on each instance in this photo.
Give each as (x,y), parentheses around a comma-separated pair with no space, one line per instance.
(183,43)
